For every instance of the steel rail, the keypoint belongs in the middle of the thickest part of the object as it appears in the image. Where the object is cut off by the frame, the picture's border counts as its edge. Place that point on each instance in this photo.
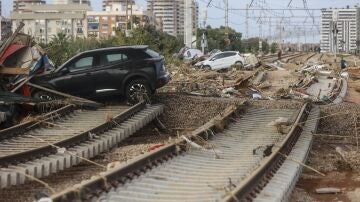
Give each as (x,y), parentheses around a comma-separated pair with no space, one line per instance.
(84,136)
(274,58)
(257,180)
(112,178)
(23,127)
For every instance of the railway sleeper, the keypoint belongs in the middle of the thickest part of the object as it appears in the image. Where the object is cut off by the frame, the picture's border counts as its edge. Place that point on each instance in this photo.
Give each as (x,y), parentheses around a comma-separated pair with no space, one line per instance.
(47,165)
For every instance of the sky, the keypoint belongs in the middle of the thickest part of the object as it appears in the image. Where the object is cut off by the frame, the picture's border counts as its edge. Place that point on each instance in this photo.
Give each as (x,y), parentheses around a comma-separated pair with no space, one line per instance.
(296,25)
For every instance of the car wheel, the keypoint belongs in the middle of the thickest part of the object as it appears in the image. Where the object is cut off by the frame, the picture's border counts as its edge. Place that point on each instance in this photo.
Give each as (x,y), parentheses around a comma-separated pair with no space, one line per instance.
(138,90)
(239,63)
(44,96)
(207,67)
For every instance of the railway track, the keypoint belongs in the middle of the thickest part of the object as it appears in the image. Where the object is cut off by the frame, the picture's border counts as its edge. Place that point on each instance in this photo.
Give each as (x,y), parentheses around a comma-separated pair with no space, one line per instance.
(66,137)
(273,58)
(230,166)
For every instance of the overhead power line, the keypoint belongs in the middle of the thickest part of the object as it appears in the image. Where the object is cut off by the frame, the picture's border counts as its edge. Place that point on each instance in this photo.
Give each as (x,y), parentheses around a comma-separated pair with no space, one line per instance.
(277,9)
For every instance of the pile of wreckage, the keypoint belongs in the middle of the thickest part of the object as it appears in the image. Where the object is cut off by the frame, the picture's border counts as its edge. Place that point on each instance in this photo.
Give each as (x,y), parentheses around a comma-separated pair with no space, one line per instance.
(20,60)
(316,82)
(229,84)
(313,81)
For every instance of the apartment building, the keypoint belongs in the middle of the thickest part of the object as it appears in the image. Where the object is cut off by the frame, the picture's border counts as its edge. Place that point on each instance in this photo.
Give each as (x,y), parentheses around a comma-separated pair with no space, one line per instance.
(107,4)
(45,21)
(340,29)
(21,5)
(5,27)
(102,24)
(88,2)
(174,14)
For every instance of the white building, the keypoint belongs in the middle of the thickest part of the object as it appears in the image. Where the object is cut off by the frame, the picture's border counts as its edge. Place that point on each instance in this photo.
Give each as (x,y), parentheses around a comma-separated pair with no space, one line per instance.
(107,4)
(173,13)
(88,2)
(46,21)
(21,5)
(340,29)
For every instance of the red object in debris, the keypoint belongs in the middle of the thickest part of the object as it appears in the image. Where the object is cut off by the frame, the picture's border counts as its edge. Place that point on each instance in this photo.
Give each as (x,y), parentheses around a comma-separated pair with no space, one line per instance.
(25,90)
(9,51)
(155,147)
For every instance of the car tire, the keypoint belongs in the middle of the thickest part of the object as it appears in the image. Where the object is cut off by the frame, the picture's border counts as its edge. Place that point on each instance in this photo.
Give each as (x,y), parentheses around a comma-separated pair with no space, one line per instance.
(44,96)
(138,90)
(239,63)
(207,67)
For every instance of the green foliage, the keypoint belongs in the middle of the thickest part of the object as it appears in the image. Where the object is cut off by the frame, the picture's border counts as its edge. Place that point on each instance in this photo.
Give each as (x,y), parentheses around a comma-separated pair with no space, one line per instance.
(273,47)
(216,38)
(62,47)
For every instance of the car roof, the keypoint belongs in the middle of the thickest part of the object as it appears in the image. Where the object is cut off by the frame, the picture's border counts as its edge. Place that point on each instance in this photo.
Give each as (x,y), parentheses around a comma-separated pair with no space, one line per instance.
(135,47)
(225,52)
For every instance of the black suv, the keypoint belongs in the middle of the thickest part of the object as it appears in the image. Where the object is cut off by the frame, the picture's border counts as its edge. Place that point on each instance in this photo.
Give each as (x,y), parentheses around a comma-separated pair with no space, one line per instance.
(128,70)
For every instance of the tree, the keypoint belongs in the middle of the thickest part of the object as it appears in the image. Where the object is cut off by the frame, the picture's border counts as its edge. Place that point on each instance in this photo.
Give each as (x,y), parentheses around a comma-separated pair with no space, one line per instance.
(273,47)
(62,47)
(216,38)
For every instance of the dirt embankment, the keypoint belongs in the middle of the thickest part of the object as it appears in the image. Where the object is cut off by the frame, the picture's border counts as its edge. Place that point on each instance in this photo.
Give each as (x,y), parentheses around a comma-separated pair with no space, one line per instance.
(334,153)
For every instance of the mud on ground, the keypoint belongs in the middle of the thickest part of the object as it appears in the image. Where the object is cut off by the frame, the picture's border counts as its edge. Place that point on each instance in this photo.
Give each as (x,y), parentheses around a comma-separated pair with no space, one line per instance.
(335,130)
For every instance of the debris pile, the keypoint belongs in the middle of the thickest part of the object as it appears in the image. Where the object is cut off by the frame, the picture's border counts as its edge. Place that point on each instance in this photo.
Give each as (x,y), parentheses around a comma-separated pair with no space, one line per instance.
(21,59)
(194,81)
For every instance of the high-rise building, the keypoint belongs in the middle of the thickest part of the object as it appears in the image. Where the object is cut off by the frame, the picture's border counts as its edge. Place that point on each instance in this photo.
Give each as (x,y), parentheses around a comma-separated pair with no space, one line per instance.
(88,2)
(0,8)
(107,4)
(177,16)
(340,29)
(21,5)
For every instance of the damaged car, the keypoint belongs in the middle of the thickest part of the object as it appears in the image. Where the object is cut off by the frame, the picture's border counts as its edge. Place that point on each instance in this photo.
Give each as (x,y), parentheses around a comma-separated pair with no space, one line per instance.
(222,60)
(130,71)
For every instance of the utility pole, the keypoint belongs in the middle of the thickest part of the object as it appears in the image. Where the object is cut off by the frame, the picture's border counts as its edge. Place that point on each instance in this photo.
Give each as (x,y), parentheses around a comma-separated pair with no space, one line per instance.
(247,21)
(127,15)
(226,19)
(280,33)
(131,16)
(270,36)
(335,32)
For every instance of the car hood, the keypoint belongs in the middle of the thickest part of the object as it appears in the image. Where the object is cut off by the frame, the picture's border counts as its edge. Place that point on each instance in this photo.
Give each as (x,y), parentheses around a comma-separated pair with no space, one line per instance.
(200,63)
(206,62)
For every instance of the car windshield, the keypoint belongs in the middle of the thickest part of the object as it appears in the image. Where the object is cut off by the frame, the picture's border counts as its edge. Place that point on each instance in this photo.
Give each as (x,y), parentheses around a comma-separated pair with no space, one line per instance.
(212,56)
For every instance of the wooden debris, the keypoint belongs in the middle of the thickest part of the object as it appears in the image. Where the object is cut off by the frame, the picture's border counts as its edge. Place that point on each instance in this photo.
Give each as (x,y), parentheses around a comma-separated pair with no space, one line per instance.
(14,70)
(76,100)
(328,190)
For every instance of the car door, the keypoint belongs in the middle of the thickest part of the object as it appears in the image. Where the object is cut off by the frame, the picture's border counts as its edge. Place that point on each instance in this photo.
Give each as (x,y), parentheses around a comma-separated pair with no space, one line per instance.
(217,61)
(78,78)
(232,59)
(114,65)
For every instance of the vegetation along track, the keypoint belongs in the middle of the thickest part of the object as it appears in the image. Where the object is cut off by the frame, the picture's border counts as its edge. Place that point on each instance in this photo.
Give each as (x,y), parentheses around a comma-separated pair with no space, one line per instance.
(218,170)
(65,137)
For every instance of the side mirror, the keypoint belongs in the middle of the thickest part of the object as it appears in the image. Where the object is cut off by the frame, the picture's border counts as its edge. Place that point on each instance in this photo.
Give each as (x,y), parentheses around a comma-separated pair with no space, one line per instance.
(65,70)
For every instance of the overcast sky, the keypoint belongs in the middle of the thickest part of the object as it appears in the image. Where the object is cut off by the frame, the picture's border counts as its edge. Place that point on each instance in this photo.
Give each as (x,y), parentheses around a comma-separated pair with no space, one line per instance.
(294,25)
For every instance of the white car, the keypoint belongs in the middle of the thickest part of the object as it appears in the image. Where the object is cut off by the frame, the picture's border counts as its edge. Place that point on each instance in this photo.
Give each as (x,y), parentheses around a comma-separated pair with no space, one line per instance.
(223,60)
(192,53)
